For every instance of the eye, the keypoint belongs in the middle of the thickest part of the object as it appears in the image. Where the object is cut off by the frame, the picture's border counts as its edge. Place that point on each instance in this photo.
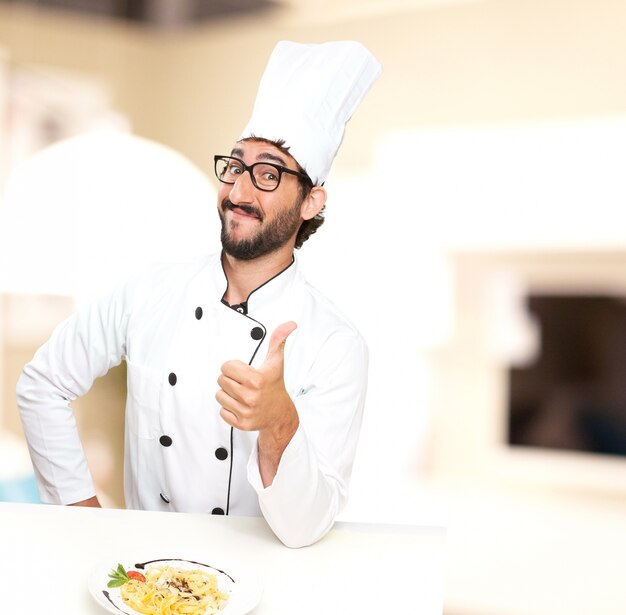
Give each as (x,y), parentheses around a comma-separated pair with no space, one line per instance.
(234,168)
(266,174)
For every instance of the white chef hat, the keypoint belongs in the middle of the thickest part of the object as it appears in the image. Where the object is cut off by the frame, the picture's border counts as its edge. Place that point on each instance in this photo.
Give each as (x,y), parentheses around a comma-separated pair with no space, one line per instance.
(306,96)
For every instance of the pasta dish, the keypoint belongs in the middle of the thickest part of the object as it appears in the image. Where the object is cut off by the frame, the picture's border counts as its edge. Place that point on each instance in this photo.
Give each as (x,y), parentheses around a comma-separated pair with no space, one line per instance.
(174,591)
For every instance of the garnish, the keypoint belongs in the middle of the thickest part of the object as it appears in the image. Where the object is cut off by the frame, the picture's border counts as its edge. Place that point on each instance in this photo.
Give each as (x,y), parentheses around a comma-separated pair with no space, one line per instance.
(133,574)
(118,577)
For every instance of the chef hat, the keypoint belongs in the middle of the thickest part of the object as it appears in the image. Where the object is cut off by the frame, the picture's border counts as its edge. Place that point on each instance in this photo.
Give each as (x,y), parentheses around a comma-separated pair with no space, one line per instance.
(306,96)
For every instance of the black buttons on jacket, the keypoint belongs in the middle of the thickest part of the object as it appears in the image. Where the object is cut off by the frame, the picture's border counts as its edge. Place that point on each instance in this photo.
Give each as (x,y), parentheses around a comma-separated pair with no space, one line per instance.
(164,498)
(221,453)
(165,441)
(198,313)
(256,333)
(172,378)
(217,511)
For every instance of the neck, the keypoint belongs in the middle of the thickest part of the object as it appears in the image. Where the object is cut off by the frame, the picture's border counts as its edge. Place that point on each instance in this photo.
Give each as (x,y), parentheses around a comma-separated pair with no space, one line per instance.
(244,276)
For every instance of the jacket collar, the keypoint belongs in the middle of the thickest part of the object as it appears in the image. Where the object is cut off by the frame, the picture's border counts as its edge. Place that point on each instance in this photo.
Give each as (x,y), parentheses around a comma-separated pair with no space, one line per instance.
(266,294)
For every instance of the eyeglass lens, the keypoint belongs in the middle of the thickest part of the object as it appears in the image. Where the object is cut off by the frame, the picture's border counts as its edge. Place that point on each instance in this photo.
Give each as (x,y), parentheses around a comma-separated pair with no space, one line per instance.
(265,176)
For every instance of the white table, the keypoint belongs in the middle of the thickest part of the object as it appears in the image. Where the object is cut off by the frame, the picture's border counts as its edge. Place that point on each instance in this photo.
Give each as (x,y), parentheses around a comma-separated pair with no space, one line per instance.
(355,569)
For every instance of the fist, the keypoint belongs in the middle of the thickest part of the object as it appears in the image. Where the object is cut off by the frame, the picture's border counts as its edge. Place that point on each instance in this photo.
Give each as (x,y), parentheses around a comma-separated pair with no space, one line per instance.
(256,399)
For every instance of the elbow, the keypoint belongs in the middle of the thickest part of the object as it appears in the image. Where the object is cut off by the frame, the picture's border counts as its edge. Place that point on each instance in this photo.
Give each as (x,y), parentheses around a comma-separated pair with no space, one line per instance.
(22,387)
(306,524)
(25,388)
(28,391)
(299,539)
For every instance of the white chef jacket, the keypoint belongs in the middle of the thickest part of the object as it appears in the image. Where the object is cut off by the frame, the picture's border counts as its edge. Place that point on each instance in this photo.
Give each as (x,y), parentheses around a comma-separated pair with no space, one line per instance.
(174,332)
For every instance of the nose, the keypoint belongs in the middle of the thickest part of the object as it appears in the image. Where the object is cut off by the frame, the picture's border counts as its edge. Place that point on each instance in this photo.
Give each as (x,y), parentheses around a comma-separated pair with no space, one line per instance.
(243,190)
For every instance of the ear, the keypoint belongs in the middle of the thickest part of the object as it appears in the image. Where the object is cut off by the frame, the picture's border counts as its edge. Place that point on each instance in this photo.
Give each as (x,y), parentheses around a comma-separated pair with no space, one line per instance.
(314,202)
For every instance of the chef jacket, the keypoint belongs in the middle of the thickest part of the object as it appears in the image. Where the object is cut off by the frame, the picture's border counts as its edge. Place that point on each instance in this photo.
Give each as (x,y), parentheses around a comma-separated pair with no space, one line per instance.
(174,331)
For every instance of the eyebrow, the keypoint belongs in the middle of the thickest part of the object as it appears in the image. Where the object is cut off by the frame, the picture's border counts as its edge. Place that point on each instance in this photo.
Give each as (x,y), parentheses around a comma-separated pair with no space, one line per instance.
(272,157)
(238,152)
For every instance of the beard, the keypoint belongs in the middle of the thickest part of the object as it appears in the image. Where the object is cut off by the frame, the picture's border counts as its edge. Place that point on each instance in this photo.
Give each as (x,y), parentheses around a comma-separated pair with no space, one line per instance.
(269,237)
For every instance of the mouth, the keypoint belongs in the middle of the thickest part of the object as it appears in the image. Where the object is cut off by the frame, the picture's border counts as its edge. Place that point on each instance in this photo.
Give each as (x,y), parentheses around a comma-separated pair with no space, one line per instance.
(243,211)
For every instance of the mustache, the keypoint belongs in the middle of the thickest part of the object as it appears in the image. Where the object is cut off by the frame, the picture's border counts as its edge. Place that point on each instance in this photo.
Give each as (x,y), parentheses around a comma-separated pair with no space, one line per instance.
(248,209)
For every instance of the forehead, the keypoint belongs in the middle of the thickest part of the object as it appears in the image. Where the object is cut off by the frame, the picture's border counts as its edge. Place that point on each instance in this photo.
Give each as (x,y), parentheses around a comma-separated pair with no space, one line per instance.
(250,151)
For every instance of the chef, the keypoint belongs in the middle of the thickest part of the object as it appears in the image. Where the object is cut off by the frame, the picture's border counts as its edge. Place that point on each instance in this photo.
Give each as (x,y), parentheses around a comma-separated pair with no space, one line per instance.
(245,385)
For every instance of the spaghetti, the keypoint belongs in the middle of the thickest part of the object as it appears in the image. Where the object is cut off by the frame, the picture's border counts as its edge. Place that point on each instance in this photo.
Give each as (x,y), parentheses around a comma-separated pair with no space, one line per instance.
(174,591)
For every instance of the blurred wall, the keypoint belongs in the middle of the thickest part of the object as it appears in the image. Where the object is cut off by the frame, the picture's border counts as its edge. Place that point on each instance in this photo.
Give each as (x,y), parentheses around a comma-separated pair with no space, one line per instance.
(469,62)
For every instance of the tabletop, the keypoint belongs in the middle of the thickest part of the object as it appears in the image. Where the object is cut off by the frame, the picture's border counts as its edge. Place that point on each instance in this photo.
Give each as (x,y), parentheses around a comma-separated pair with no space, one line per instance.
(49,553)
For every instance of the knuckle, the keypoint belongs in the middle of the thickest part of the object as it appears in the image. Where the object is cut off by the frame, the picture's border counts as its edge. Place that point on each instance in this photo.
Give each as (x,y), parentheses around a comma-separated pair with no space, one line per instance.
(229,417)
(250,399)
(246,412)
(245,425)
(255,381)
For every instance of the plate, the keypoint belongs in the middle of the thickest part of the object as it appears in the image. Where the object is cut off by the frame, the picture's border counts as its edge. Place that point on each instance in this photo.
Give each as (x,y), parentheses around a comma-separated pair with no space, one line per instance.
(243,588)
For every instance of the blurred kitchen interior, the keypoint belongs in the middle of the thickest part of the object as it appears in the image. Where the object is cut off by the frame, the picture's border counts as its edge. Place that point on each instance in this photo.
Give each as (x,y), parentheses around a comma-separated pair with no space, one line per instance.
(475,234)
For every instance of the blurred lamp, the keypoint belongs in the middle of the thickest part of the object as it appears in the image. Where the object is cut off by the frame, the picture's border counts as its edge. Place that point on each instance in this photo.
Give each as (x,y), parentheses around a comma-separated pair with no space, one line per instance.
(82,214)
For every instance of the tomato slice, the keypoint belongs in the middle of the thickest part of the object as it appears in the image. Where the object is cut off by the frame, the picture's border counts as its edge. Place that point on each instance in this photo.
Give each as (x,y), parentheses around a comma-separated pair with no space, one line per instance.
(133,574)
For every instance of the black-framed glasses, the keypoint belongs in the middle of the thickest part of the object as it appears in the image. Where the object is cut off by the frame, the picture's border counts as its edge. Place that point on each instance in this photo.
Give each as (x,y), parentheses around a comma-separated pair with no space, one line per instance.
(265,176)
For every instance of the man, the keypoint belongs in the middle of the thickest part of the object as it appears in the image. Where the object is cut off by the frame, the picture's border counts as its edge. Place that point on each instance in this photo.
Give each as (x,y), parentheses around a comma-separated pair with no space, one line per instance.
(245,386)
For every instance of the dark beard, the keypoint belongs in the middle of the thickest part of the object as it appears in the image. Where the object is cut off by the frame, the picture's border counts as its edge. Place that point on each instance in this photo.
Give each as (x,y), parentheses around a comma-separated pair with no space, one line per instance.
(274,235)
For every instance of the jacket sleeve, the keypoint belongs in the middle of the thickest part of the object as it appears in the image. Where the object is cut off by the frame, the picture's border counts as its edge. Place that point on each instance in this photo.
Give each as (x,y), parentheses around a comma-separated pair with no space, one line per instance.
(82,348)
(311,484)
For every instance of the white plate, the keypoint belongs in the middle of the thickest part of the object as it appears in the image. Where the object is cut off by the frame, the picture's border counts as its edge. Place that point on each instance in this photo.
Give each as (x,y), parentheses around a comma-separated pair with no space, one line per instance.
(244,589)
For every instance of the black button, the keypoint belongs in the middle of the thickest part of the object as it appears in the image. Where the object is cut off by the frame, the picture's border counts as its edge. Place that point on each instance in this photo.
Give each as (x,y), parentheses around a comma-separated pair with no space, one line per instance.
(165,440)
(164,498)
(198,313)
(172,378)
(217,511)
(221,453)
(256,333)
(242,307)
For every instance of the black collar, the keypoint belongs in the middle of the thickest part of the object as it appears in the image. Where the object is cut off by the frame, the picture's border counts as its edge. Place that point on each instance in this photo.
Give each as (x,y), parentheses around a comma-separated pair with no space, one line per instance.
(242,307)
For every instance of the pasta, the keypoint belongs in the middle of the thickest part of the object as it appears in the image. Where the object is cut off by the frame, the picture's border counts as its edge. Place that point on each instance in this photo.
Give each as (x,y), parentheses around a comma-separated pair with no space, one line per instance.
(174,591)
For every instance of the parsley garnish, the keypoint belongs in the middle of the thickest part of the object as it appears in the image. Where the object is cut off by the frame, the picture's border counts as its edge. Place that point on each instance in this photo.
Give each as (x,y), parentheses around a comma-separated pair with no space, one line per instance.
(118,577)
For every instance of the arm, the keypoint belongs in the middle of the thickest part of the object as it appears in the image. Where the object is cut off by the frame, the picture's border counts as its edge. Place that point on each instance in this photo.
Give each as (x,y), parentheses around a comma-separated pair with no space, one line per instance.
(310,467)
(90,503)
(82,348)
(272,443)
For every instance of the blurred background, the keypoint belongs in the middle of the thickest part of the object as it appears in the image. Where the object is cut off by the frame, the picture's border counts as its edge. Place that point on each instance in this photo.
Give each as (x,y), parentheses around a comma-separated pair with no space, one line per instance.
(475,234)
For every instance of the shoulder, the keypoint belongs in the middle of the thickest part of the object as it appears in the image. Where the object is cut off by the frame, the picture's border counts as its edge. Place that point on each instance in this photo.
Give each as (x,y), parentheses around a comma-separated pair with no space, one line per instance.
(327,350)
(324,318)
(164,277)
(159,284)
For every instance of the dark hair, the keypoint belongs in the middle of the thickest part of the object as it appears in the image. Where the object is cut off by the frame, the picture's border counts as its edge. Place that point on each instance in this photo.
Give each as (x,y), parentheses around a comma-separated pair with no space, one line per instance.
(305,185)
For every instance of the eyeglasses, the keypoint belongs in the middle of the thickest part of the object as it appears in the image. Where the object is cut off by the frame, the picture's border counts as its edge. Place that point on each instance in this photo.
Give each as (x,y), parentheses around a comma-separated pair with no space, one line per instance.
(264,175)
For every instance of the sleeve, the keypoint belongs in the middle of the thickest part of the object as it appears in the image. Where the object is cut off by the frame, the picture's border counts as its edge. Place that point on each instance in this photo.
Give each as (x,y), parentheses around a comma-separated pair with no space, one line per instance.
(311,485)
(82,348)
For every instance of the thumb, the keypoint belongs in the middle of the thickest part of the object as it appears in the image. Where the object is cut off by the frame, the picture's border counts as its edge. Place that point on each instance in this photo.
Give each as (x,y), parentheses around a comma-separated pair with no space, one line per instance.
(279,337)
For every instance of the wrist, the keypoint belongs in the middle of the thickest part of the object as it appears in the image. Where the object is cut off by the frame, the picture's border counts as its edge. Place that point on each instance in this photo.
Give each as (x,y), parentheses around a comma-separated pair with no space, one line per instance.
(271,445)
(275,437)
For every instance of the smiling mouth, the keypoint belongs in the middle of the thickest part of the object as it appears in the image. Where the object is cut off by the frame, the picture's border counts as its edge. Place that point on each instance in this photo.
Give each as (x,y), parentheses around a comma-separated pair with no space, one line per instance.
(244,210)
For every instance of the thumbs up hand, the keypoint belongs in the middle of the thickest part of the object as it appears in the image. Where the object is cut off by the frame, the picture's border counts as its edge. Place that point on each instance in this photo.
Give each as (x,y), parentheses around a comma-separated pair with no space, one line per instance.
(256,399)
(275,359)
